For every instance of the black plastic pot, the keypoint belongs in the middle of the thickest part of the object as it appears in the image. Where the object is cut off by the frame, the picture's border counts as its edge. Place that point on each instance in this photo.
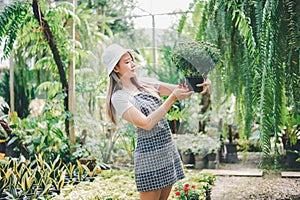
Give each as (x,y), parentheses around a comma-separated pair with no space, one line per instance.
(211,156)
(231,155)
(192,81)
(207,192)
(292,156)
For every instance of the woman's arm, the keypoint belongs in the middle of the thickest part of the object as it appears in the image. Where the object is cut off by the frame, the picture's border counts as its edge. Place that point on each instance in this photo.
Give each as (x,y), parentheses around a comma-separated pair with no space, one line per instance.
(136,117)
(165,89)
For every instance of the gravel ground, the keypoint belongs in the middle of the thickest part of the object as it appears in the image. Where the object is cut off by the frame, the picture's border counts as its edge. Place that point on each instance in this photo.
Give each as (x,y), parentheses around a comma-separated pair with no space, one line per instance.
(268,187)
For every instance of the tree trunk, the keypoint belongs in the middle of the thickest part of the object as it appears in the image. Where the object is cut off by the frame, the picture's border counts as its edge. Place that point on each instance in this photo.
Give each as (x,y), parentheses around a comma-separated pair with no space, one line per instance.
(50,39)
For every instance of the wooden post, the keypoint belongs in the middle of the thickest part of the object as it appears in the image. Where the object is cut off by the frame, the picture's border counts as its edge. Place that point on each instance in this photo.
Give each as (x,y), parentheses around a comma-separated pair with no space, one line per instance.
(11,82)
(154,42)
(72,80)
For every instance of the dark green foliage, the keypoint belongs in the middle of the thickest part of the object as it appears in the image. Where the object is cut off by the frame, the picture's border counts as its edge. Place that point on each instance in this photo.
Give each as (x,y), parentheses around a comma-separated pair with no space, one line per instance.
(115,9)
(292,10)
(11,20)
(21,100)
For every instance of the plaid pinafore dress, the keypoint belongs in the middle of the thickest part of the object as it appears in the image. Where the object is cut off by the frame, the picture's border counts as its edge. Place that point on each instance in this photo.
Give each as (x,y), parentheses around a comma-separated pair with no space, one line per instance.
(157,162)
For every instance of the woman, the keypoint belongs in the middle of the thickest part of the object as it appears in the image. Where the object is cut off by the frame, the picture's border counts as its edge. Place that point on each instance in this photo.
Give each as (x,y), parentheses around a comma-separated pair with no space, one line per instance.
(157,164)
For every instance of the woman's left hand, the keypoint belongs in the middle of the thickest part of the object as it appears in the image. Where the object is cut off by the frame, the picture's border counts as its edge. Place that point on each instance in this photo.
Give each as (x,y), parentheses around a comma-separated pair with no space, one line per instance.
(206,86)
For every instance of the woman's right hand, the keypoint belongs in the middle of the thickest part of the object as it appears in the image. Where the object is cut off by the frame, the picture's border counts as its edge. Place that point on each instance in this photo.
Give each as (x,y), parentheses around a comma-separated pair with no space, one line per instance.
(182,92)
(206,86)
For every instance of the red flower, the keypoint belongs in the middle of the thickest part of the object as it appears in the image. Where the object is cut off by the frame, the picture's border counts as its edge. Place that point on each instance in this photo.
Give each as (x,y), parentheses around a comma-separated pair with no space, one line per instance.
(177,193)
(185,188)
(186,185)
(187,193)
(193,186)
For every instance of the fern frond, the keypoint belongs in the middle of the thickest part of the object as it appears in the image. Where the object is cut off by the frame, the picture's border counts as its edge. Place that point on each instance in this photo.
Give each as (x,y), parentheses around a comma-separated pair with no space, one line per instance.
(11,20)
(181,23)
(293,52)
(51,87)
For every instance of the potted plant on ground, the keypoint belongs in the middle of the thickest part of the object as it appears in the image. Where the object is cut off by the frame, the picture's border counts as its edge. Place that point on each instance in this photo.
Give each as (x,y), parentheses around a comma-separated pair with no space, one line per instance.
(194,60)
(291,138)
(183,143)
(205,149)
(230,146)
(292,146)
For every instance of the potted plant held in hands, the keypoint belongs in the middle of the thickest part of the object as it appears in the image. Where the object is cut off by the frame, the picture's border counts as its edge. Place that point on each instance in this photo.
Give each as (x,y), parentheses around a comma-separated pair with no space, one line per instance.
(194,60)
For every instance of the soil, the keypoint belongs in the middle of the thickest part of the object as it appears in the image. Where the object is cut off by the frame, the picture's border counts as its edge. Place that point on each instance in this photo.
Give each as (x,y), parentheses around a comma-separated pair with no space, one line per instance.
(271,186)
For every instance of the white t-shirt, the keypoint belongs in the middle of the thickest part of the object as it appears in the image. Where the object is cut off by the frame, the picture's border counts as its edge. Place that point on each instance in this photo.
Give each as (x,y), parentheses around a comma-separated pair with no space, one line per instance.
(122,100)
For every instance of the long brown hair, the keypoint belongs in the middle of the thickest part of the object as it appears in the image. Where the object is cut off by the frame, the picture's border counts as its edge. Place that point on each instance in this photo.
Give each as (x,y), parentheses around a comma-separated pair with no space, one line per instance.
(115,84)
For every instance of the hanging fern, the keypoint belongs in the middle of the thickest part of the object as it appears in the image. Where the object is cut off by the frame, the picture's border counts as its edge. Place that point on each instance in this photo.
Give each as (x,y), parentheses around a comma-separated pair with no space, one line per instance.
(293,58)
(270,97)
(203,25)
(259,41)
(11,20)
(181,23)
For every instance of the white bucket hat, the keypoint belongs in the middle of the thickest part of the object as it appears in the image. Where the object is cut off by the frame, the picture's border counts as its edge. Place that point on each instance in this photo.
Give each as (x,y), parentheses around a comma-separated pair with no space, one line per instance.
(112,55)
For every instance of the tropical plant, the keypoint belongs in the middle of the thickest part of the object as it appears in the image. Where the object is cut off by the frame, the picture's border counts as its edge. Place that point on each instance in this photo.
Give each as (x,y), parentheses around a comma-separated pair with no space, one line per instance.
(31,28)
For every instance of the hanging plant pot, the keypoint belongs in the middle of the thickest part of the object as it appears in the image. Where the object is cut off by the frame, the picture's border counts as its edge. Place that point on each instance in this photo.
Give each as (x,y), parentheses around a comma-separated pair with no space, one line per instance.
(192,81)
